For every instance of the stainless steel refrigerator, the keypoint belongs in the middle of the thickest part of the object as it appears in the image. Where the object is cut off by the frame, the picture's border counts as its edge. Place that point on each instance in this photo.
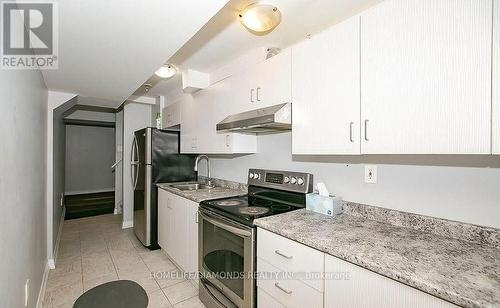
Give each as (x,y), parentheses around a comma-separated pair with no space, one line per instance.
(155,159)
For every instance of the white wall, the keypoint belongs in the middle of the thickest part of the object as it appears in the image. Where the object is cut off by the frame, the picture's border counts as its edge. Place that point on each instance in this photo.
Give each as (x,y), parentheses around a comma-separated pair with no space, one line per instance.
(135,117)
(23,120)
(90,153)
(119,161)
(463,188)
(54,162)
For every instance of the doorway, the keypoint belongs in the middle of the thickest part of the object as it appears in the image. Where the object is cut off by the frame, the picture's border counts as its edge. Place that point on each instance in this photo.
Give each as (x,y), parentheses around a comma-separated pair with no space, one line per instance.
(90,149)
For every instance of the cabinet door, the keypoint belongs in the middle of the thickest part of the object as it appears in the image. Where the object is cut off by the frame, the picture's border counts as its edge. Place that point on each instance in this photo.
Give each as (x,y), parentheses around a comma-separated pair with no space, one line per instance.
(496,77)
(362,288)
(163,222)
(192,236)
(426,77)
(326,92)
(170,243)
(264,300)
(172,114)
(272,80)
(189,125)
(265,84)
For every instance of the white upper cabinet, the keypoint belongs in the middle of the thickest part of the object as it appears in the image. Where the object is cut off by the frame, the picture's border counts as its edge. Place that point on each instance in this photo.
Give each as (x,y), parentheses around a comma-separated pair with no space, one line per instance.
(265,84)
(171,115)
(326,91)
(200,115)
(426,77)
(496,77)
(192,125)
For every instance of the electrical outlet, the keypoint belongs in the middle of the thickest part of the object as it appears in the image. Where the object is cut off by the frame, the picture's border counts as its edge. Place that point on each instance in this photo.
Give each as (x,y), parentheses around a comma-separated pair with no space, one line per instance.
(26,292)
(371,174)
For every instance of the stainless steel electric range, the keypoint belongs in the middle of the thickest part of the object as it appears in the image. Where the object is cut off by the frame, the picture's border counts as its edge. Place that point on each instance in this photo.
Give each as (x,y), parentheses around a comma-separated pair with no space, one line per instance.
(227,236)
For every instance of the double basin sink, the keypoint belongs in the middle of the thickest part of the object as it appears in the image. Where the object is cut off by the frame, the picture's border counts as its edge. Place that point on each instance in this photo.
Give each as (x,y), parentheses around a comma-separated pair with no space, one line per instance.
(191,186)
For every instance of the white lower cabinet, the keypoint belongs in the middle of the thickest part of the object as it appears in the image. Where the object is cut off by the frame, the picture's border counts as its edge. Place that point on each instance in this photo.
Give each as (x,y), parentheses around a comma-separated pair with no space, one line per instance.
(293,275)
(363,288)
(277,257)
(178,229)
(264,300)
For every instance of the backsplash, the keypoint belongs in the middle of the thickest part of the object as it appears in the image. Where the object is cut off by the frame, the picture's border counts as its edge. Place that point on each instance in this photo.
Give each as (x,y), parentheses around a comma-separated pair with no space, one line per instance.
(225,183)
(442,227)
(438,226)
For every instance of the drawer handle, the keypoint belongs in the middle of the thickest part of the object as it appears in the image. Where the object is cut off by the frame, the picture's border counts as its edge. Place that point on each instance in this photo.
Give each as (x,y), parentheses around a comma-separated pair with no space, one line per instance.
(283,255)
(277,285)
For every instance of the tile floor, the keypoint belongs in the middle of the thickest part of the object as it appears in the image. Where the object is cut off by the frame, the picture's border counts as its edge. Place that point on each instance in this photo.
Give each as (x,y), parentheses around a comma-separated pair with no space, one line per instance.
(96,250)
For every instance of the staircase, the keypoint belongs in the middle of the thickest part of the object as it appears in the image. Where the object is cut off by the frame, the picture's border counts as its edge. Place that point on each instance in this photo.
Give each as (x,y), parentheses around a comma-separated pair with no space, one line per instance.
(85,205)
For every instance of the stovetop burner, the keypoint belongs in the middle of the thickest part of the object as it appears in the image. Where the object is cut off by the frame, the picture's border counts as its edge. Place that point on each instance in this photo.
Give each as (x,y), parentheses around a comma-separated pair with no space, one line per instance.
(230,202)
(253,210)
(269,193)
(247,208)
(280,207)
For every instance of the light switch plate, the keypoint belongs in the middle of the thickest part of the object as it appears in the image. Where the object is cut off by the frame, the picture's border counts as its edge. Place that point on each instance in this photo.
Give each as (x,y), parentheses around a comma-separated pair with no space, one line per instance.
(371,174)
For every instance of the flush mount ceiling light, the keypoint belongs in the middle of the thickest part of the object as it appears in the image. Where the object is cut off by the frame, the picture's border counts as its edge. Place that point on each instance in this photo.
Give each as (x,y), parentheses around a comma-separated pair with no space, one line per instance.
(166,71)
(260,18)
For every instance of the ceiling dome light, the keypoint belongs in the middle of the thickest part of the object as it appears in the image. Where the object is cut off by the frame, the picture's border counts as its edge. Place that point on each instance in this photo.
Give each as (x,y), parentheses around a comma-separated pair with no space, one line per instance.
(166,71)
(260,18)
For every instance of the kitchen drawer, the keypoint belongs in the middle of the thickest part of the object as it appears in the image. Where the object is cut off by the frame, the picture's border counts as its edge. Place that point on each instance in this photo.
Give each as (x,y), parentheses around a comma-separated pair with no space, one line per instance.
(290,293)
(290,256)
(264,300)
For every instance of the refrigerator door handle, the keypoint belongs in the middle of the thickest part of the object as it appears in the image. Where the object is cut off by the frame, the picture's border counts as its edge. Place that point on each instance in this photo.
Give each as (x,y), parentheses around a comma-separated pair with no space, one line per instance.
(136,175)
(133,162)
(147,202)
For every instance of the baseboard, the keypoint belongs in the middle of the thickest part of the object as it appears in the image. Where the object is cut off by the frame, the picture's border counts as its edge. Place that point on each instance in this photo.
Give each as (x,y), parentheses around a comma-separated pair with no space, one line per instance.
(118,208)
(128,224)
(91,191)
(43,286)
(52,262)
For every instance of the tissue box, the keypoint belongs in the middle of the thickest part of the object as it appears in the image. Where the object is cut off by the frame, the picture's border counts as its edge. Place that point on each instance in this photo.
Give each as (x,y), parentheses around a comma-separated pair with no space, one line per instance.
(328,205)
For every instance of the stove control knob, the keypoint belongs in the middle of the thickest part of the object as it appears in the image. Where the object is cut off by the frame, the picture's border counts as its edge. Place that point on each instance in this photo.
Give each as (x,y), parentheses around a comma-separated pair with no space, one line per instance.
(286,180)
(256,176)
(293,180)
(300,181)
(251,175)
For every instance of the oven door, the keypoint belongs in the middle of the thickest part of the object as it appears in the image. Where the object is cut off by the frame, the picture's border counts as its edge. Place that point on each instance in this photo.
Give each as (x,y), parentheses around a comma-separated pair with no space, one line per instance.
(226,262)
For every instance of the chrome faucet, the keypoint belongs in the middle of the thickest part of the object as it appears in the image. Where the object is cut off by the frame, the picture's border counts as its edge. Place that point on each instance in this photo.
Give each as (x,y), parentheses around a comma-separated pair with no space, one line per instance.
(200,157)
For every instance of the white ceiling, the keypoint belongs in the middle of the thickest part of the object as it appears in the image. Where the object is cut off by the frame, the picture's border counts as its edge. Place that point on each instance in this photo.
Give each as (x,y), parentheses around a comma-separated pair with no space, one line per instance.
(92,116)
(107,49)
(224,39)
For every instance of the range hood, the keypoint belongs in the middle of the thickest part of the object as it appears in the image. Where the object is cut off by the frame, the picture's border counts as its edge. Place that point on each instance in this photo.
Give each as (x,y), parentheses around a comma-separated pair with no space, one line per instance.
(273,119)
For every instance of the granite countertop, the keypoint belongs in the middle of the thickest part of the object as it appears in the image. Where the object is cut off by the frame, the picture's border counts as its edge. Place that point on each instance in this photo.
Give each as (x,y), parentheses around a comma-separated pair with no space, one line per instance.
(461,272)
(203,194)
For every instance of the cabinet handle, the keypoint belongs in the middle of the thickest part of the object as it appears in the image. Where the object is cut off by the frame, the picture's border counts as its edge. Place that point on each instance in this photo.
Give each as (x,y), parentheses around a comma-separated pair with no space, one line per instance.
(196,218)
(251,95)
(366,130)
(227,141)
(258,90)
(283,255)
(277,285)
(350,131)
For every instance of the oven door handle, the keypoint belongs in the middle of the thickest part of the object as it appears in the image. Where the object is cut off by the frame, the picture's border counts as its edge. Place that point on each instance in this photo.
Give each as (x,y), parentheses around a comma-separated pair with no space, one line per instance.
(226,226)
